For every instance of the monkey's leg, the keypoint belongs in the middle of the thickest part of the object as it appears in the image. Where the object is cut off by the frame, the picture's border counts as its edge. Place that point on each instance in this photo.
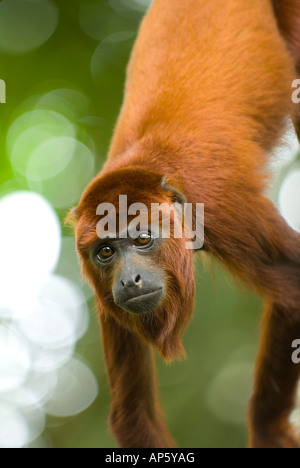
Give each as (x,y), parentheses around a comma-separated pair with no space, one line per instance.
(135,416)
(275,381)
(254,241)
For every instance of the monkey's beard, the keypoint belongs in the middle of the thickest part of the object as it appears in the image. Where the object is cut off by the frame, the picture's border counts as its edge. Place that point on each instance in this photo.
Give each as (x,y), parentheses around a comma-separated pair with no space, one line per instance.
(162,328)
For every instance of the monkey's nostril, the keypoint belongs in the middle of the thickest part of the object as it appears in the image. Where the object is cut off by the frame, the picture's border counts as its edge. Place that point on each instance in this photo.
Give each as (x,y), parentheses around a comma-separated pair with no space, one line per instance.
(131,282)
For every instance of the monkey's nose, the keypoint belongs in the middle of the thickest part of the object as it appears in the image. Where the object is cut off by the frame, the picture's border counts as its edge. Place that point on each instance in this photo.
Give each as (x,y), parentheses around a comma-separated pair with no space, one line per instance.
(132,282)
(138,291)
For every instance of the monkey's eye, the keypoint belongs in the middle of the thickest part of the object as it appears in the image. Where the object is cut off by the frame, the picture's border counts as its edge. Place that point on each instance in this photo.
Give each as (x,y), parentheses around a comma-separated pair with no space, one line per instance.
(143,240)
(105,253)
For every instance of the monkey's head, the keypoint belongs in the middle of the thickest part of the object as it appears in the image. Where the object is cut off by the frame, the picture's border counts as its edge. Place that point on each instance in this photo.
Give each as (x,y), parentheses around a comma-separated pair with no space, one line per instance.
(144,280)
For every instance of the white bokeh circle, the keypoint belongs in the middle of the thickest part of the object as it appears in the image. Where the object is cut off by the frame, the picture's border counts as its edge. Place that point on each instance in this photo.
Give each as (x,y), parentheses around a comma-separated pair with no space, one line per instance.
(28,132)
(26,25)
(76,390)
(14,430)
(289,199)
(229,392)
(30,242)
(72,179)
(60,316)
(15,359)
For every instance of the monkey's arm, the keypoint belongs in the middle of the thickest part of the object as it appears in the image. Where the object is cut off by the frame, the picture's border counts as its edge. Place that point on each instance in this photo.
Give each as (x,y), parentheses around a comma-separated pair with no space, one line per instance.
(135,417)
(255,242)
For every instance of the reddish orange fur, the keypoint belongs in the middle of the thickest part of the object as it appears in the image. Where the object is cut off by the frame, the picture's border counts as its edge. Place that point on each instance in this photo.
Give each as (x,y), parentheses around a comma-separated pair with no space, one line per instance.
(207,95)
(165,329)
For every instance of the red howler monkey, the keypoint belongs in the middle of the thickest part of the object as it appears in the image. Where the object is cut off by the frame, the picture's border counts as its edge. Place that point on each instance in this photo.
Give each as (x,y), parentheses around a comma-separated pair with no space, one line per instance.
(207,95)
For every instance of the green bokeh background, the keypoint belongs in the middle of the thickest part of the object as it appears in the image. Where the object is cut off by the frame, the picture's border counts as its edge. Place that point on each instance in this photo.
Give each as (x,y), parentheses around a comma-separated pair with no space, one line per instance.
(204,397)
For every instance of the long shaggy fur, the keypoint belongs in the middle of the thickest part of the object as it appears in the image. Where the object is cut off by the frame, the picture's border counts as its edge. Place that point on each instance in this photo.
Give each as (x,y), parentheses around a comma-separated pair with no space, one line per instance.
(163,328)
(207,96)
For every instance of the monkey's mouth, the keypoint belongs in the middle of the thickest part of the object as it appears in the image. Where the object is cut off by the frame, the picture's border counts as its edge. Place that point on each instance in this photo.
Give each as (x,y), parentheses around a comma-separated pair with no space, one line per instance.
(146,296)
(143,303)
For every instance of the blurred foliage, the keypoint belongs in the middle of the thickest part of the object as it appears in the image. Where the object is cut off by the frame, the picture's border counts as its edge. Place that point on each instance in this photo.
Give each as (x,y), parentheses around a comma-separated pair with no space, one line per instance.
(205,397)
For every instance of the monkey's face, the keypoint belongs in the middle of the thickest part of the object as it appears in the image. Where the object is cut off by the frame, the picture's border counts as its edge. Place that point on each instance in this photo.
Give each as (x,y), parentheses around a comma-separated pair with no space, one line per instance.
(143,279)
(138,282)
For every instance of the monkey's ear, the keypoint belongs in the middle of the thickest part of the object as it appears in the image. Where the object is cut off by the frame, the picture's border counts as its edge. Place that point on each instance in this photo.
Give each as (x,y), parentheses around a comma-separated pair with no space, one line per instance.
(170,184)
(71,218)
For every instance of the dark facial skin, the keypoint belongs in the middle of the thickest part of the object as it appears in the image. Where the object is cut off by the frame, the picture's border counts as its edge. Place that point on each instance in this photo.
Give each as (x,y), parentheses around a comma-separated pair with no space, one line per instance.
(138,284)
